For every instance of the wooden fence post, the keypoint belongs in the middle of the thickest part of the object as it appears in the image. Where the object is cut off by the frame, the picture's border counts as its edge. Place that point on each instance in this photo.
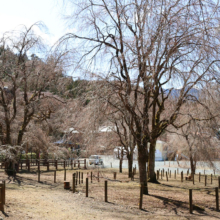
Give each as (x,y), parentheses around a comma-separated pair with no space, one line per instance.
(64,174)
(1,202)
(199,176)
(38,165)
(114,175)
(141,196)
(48,166)
(175,174)
(3,196)
(91,177)
(76,178)
(166,176)
(74,181)
(106,191)
(178,171)
(182,176)
(55,176)
(205,180)
(84,163)
(161,174)
(28,163)
(82,178)
(79,177)
(217,199)
(170,173)
(38,176)
(56,165)
(211,178)
(87,187)
(190,202)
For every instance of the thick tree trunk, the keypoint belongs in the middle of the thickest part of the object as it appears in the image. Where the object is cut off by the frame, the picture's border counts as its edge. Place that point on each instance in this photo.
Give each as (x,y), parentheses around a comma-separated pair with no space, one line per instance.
(120,165)
(192,165)
(151,162)
(130,164)
(142,159)
(26,121)
(20,136)
(8,132)
(192,161)
(37,154)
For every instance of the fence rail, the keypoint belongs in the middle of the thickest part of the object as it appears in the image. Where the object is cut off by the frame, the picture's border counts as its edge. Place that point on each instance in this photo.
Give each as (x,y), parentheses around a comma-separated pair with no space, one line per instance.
(27,164)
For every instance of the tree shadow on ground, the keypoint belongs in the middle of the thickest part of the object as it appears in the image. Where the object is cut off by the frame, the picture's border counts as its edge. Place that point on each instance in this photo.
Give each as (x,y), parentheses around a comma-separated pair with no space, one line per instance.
(177,203)
(184,205)
(182,187)
(5,214)
(28,181)
(17,179)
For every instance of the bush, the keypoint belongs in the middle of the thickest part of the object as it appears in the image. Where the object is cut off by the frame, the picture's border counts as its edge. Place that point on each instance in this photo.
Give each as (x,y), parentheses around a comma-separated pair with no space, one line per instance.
(23,156)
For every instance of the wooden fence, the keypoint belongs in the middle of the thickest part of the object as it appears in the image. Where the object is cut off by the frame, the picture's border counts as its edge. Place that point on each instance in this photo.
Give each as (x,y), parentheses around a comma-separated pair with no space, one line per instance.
(27,164)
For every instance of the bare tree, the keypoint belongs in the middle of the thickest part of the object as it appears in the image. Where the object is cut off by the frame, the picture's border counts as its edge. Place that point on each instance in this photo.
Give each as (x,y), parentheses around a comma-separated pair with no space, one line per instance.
(23,82)
(126,139)
(146,46)
(195,142)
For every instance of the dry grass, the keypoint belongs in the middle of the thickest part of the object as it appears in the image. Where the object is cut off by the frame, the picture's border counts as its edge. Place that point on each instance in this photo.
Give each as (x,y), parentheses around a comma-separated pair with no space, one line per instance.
(167,200)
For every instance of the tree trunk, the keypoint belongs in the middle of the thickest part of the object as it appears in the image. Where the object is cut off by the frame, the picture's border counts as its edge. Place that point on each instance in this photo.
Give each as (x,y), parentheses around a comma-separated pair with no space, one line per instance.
(8,132)
(192,162)
(151,162)
(20,136)
(192,165)
(37,154)
(142,159)
(120,165)
(130,164)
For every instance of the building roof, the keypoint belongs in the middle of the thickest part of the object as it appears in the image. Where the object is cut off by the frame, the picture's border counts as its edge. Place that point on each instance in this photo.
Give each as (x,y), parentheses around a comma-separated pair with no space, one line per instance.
(71,130)
(107,129)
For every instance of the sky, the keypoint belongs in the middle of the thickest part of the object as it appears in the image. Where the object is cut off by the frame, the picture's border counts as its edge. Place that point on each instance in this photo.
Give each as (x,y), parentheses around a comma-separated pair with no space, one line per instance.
(27,12)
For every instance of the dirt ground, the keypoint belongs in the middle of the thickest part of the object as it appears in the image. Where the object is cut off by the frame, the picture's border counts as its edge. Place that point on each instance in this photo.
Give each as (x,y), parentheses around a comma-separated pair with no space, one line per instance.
(28,199)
